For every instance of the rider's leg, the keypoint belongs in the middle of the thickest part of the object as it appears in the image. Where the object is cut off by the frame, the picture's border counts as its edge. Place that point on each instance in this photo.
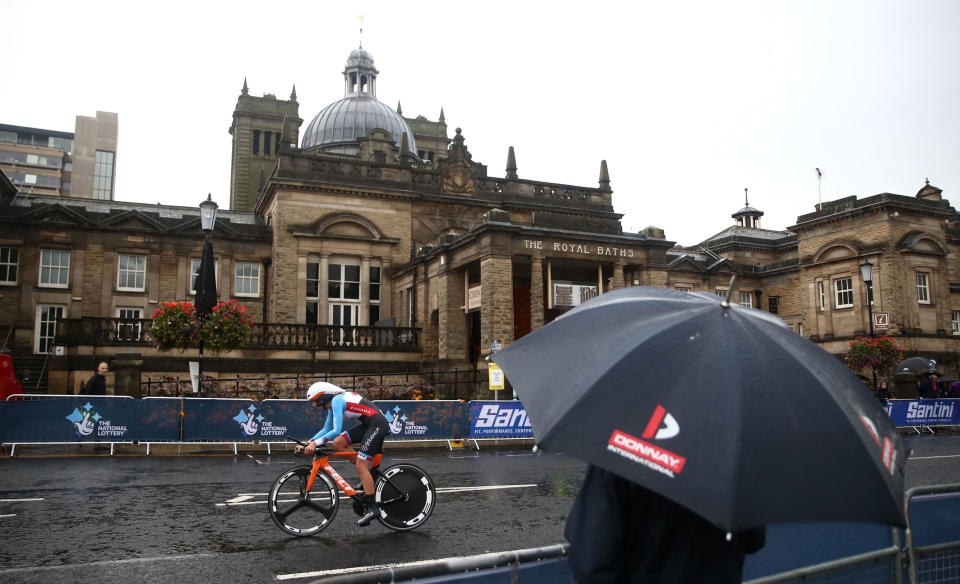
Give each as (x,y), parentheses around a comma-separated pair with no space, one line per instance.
(363,469)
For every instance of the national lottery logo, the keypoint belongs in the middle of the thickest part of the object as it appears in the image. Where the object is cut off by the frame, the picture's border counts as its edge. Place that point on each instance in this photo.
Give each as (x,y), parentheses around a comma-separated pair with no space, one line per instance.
(400,423)
(251,422)
(86,421)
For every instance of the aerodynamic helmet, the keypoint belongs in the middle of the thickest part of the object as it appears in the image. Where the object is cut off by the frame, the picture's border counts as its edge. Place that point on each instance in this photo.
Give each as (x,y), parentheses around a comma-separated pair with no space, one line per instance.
(321,392)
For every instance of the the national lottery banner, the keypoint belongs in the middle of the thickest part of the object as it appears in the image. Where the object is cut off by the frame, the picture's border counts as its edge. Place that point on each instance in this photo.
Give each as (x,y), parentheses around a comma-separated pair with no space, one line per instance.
(499,419)
(244,419)
(417,419)
(924,412)
(84,418)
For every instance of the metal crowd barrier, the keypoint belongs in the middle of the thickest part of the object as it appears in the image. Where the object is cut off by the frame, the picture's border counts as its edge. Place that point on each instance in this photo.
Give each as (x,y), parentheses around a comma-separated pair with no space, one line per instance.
(79,419)
(933,534)
(927,552)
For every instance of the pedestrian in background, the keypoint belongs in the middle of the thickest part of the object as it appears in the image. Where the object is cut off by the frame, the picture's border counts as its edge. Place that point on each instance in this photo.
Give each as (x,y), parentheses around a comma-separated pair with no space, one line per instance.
(883,393)
(927,388)
(97,384)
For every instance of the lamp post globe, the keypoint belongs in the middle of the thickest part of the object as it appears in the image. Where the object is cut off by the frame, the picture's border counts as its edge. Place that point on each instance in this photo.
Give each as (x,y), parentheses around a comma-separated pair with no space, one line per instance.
(866,270)
(208,214)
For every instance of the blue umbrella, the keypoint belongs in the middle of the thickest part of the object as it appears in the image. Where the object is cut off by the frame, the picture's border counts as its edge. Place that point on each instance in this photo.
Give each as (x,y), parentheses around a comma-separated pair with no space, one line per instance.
(720,408)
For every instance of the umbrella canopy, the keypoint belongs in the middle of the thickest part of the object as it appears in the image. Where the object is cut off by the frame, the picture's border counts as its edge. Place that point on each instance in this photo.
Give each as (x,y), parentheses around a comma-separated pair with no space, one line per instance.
(206,285)
(916,366)
(722,409)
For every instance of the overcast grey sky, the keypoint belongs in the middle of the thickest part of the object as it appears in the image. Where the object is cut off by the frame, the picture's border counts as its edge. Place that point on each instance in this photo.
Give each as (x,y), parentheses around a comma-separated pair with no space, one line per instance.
(689,102)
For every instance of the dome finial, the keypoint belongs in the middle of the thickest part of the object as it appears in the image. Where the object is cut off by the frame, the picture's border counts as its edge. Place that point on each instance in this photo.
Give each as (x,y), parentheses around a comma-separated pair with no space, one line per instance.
(511,164)
(360,18)
(746,200)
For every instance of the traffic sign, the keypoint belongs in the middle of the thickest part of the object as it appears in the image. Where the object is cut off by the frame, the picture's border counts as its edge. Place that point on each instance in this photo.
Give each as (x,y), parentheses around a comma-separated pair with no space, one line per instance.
(496,376)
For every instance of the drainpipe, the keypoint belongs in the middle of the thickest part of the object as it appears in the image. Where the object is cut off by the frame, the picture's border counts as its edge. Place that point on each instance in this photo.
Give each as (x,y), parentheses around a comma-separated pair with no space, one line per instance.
(266,261)
(413,317)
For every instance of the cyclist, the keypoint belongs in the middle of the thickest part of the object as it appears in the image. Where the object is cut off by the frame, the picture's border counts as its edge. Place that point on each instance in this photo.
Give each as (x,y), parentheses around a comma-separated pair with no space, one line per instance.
(369,433)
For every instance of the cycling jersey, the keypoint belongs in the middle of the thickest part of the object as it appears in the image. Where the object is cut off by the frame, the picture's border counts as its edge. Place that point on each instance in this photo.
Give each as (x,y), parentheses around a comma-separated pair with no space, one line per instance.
(371,430)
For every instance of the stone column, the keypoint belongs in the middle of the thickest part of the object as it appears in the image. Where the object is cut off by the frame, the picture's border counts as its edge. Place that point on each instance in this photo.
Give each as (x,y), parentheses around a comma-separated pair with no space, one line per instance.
(322,307)
(496,302)
(452,343)
(364,319)
(618,281)
(386,290)
(536,292)
(126,374)
(282,293)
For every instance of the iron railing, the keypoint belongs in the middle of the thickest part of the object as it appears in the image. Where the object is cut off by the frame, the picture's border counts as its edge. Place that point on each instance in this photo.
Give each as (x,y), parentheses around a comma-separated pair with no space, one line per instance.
(99,331)
(462,384)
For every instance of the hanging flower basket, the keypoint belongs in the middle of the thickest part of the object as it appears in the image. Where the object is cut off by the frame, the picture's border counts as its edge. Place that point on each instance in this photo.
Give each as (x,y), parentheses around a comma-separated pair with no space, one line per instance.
(226,328)
(178,325)
(880,353)
(175,326)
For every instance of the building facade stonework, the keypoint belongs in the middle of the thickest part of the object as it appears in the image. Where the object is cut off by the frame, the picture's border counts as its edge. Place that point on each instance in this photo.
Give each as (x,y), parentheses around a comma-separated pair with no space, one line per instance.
(379,243)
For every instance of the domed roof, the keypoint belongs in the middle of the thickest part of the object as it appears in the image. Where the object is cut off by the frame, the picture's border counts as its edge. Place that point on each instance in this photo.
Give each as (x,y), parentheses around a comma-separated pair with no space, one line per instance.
(352,118)
(359,58)
(339,125)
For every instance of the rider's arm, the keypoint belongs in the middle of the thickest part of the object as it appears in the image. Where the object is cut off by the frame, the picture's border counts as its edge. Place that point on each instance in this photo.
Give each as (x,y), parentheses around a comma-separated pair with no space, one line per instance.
(333,427)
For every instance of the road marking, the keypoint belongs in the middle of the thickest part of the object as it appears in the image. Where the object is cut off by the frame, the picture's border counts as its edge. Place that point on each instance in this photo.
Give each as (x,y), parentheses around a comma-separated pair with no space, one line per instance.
(242,498)
(103,563)
(929,457)
(254,459)
(8,515)
(362,569)
(20,500)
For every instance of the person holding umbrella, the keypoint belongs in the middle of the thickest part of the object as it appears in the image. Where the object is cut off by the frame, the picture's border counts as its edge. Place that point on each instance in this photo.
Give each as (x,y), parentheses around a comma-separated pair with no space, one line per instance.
(620,531)
(693,411)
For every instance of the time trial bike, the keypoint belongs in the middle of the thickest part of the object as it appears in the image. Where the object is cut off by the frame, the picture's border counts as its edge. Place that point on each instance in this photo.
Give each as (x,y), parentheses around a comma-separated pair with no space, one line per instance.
(304,500)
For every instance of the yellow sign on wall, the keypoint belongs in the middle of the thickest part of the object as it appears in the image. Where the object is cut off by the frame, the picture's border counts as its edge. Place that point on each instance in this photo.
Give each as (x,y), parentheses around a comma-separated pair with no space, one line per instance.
(496,376)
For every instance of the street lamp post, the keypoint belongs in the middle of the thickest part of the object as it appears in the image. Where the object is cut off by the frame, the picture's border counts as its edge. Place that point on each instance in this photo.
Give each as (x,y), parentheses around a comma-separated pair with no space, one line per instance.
(206,286)
(866,272)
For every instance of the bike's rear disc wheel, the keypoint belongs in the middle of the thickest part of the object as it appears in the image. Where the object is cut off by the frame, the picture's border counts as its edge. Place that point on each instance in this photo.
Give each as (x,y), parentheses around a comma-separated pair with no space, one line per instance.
(399,512)
(296,512)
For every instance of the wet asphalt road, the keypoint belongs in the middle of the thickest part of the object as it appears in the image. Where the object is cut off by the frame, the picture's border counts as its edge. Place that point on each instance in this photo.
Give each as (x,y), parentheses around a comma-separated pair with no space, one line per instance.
(157,519)
(203,518)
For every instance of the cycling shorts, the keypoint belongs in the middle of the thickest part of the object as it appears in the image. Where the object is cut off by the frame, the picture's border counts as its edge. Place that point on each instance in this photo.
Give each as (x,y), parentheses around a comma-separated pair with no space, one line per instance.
(369,436)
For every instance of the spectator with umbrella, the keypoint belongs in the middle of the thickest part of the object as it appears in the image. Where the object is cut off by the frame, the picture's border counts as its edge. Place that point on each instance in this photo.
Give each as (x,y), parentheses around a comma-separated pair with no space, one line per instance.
(704,414)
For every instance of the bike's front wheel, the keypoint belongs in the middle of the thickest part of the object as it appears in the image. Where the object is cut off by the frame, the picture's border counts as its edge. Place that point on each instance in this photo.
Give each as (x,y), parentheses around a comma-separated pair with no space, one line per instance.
(406,497)
(298,512)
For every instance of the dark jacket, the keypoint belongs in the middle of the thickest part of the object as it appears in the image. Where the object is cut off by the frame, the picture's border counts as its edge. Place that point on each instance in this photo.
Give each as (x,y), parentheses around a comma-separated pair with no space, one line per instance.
(96,385)
(622,532)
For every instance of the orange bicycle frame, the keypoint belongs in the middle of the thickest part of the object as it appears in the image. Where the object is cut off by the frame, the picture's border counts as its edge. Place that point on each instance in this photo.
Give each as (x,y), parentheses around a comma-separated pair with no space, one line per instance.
(324,464)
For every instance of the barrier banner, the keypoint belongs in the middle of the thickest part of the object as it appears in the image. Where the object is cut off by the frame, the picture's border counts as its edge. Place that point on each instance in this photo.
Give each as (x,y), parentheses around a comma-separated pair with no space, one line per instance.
(296,418)
(499,419)
(83,418)
(924,412)
(244,419)
(413,419)
(159,419)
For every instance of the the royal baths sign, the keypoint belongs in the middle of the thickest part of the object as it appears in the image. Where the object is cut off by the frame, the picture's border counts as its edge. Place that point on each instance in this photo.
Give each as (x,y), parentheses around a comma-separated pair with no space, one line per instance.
(577,248)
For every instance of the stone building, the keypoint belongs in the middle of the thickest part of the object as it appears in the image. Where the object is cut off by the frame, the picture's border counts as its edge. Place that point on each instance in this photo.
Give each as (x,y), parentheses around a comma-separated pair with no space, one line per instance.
(374,242)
